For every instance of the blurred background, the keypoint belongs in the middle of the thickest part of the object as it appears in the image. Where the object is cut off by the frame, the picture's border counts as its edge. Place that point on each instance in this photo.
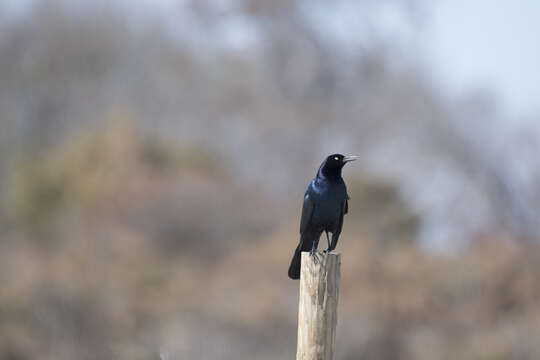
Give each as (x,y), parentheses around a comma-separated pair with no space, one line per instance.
(154,155)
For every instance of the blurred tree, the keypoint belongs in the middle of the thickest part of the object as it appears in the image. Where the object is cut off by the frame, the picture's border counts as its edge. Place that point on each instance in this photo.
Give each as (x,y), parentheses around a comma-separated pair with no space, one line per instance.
(233,75)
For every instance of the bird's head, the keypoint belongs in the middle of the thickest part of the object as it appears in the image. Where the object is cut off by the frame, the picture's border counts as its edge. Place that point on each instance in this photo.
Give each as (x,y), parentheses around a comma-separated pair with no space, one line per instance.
(331,167)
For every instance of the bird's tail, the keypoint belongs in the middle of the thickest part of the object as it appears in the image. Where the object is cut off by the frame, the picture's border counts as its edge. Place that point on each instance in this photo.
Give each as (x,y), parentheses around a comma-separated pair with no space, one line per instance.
(306,243)
(294,268)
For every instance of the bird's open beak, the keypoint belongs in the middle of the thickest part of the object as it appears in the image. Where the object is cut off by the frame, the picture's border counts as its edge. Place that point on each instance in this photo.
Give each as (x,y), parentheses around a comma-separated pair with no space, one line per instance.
(346,159)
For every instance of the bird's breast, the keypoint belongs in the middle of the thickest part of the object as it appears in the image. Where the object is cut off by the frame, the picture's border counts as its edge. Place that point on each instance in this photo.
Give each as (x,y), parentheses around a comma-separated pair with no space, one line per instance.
(327,213)
(328,200)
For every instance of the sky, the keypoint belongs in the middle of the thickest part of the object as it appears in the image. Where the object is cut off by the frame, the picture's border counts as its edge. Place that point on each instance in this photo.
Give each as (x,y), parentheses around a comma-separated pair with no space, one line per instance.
(466,45)
(487,43)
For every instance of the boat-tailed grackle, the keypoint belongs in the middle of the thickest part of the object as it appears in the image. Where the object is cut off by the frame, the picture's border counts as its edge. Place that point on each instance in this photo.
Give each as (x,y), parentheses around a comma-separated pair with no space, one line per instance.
(325,204)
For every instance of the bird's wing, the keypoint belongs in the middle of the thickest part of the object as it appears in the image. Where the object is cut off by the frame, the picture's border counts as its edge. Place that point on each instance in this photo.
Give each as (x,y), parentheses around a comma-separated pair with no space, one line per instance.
(307,212)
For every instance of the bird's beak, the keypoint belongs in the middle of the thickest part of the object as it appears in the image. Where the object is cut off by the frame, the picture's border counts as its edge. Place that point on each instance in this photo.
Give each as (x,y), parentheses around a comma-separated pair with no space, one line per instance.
(346,159)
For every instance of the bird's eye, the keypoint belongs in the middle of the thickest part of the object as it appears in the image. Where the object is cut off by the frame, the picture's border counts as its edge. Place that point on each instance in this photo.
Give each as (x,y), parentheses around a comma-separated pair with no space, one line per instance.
(336,158)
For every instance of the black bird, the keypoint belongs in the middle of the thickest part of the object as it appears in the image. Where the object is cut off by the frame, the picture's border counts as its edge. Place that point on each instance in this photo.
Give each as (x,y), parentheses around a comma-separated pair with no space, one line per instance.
(325,204)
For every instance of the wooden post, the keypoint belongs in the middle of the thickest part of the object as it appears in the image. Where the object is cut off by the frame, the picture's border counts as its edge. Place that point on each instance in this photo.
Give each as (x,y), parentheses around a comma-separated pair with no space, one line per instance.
(317,312)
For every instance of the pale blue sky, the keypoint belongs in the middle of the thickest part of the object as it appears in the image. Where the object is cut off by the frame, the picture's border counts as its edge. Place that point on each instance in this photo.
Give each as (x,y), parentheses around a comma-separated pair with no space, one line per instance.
(464,44)
(483,43)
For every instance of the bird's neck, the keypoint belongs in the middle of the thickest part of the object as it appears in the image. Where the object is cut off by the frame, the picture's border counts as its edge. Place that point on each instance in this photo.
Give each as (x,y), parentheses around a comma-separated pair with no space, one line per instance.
(329,173)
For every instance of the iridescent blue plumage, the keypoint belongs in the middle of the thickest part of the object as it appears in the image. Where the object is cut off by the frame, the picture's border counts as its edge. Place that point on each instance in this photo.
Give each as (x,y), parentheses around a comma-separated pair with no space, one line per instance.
(325,204)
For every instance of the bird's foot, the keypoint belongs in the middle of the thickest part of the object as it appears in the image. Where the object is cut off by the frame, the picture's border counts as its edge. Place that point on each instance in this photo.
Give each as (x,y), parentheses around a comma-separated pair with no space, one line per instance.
(329,250)
(314,253)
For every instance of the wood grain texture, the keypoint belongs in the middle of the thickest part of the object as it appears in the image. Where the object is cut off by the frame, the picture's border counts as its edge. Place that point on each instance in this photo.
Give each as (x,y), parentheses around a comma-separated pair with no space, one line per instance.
(317,313)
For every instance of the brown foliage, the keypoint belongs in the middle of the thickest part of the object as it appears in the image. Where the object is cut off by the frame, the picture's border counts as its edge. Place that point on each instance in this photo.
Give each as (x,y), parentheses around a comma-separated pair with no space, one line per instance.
(155,252)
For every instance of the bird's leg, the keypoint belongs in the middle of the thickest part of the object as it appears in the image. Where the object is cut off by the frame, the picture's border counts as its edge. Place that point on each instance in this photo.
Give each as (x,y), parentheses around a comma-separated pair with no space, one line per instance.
(335,238)
(313,251)
(328,240)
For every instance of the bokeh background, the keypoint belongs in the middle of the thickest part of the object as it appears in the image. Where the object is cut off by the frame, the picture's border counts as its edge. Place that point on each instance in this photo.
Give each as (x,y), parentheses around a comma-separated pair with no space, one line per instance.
(154,154)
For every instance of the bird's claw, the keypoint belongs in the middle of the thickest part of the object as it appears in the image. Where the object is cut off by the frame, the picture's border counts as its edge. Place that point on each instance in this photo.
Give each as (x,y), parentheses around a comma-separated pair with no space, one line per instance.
(314,254)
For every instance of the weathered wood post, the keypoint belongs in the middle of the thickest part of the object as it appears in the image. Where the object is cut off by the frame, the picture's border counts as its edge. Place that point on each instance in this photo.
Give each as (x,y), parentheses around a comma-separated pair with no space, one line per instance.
(317,312)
